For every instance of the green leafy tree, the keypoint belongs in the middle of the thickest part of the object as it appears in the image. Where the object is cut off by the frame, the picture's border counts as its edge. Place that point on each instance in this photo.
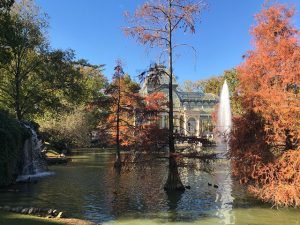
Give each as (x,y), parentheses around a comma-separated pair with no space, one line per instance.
(6,28)
(52,85)
(75,104)
(94,82)
(26,45)
(5,20)
(36,79)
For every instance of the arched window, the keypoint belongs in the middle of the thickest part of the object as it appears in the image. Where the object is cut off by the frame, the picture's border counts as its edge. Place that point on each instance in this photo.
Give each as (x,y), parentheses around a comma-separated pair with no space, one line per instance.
(191,126)
(181,124)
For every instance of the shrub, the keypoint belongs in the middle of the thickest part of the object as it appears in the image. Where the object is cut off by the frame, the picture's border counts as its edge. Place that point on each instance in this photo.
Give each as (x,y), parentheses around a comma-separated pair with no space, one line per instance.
(67,129)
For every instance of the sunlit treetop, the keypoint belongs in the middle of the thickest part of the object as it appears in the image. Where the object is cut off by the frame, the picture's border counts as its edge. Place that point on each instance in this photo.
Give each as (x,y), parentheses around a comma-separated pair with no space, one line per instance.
(153,21)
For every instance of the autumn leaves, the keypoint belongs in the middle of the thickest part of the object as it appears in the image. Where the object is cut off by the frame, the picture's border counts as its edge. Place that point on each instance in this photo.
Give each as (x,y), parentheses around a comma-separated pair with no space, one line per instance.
(265,139)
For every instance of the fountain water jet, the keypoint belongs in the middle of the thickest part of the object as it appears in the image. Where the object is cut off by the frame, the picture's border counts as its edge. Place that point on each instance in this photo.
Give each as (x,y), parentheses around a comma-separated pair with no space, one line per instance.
(223,128)
(224,113)
(34,164)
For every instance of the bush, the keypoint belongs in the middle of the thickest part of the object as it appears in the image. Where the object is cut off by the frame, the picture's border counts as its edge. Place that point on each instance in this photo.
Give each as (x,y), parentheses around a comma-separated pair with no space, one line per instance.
(67,129)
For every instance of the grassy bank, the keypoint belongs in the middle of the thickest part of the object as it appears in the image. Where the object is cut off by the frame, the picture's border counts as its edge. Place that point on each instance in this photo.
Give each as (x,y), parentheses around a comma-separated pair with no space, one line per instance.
(7,218)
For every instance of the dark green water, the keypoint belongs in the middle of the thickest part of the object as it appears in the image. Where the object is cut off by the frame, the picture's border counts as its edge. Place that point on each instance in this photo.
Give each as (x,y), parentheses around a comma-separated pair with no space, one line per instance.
(88,188)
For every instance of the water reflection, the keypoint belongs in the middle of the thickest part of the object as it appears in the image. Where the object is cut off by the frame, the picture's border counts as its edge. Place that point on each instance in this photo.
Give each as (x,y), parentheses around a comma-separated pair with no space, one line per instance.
(224,193)
(173,199)
(89,188)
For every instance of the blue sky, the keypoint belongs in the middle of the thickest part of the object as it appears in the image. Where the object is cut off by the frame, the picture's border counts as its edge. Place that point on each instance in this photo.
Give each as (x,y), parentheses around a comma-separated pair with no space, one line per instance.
(93,29)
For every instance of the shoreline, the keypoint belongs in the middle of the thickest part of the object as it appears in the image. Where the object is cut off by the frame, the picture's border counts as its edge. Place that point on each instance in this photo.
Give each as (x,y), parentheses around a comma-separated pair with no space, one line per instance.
(10,218)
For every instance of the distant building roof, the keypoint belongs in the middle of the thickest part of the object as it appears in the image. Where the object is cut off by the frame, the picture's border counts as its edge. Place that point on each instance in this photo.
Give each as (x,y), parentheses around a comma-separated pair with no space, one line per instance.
(197,96)
(188,96)
(210,97)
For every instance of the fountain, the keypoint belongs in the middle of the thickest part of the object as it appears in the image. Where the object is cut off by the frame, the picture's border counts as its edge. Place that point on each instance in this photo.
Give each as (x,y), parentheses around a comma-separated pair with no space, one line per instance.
(34,164)
(223,128)
(224,113)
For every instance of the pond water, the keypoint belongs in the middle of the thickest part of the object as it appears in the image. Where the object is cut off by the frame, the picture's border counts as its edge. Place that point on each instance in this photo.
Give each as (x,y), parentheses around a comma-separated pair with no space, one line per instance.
(88,188)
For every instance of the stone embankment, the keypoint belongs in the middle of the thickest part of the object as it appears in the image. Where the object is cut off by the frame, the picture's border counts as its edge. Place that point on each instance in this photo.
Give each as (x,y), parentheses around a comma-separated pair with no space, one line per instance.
(54,214)
(57,160)
(41,212)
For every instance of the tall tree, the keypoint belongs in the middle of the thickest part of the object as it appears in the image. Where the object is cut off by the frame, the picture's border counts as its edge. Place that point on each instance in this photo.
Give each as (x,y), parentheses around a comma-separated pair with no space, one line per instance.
(6,29)
(265,139)
(270,75)
(124,99)
(71,91)
(26,45)
(93,81)
(34,78)
(50,86)
(155,23)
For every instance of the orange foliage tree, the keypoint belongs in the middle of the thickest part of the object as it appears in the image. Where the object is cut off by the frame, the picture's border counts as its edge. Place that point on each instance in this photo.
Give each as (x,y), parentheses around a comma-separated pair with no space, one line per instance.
(132,119)
(153,138)
(147,138)
(124,101)
(265,138)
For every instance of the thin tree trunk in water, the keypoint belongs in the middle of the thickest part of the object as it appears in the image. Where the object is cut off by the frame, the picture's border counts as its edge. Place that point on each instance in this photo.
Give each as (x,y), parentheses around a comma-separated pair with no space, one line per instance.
(173,182)
(118,163)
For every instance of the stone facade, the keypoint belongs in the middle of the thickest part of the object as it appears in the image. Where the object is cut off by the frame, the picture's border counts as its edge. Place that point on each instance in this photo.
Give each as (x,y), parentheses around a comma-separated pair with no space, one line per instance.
(192,110)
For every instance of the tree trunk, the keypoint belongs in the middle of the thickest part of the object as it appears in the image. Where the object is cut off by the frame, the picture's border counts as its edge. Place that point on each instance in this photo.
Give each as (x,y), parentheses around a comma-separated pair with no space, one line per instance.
(171,126)
(288,140)
(173,182)
(118,163)
(171,114)
(17,95)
